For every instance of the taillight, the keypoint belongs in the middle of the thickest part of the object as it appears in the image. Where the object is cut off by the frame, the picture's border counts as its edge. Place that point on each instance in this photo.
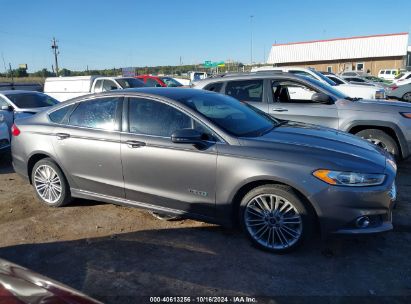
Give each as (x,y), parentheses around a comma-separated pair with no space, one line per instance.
(14,130)
(394,87)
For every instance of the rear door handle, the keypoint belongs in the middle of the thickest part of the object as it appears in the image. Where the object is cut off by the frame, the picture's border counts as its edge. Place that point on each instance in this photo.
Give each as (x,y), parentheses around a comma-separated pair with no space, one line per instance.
(62,136)
(280,110)
(135,144)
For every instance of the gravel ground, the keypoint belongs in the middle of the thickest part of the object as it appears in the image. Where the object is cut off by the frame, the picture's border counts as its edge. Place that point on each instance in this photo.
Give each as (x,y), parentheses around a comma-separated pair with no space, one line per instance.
(117,254)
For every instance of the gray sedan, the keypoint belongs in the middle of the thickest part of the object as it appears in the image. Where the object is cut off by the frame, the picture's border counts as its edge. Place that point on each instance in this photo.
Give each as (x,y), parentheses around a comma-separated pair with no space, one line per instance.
(402,92)
(207,156)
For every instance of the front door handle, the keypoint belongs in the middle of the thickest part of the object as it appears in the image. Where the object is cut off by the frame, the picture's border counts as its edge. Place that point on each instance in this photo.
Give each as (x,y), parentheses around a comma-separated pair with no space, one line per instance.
(62,136)
(135,144)
(280,110)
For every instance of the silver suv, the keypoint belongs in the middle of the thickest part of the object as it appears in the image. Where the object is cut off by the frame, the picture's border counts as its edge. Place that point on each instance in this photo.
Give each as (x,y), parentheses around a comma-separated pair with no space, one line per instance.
(291,97)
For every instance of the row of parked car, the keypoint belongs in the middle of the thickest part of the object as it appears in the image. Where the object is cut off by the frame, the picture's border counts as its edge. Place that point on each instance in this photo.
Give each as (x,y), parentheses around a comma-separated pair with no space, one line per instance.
(264,150)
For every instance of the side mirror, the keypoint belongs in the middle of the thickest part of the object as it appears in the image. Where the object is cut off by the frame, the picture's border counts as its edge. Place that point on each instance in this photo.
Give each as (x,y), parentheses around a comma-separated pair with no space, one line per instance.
(320,98)
(186,136)
(6,108)
(113,88)
(158,85)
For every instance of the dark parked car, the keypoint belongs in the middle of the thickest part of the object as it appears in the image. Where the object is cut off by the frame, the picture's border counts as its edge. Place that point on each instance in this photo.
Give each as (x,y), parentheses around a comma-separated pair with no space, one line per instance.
(303,99)
(210,157)
(26,86)
(19,285)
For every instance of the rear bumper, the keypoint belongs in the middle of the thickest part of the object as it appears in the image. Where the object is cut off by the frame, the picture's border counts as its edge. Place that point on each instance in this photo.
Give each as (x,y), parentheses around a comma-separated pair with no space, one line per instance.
(20,168)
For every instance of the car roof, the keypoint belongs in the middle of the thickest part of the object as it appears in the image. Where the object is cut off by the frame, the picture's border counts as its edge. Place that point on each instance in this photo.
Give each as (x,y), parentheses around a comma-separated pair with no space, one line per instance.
(172,93)
(166,92)
(13,92)
(251,75)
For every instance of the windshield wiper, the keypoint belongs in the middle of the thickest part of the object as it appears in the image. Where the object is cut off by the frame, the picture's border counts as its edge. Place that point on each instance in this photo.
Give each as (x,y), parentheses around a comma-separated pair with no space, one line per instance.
(353,98)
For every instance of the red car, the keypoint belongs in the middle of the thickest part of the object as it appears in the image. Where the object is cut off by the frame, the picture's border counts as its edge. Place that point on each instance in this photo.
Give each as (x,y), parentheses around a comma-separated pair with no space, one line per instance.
(19,285)
(155,81)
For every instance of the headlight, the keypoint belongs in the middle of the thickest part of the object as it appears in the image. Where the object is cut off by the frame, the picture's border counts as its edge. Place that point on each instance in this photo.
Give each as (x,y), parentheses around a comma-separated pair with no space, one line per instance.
(339,178)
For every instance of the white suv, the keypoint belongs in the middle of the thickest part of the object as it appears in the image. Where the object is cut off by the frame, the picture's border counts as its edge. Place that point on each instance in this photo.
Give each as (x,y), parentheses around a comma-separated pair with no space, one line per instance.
(351,90)
(388,74)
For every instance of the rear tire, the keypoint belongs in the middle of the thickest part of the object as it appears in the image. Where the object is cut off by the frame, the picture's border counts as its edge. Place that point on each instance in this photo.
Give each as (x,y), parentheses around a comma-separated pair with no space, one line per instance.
(50,184)
(381,139)
(275,218)
(407,97)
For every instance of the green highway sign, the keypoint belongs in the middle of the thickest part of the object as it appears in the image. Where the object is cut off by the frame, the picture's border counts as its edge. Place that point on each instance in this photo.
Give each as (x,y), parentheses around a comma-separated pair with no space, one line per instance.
(211,64)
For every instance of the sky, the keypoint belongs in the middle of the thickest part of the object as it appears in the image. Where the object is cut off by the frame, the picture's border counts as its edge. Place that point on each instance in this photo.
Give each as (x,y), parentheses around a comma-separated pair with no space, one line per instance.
(107,34)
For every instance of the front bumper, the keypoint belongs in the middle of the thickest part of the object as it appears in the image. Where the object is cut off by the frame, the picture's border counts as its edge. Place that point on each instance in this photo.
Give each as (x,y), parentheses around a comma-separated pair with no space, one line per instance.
(342,209)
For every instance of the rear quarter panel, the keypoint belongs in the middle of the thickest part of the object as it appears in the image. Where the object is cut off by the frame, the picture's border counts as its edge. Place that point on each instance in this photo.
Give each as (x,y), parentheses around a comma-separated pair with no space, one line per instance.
(33,139)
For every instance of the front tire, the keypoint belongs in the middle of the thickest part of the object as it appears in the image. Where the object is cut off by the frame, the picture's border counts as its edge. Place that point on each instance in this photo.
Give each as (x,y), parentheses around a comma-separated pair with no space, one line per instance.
(275,219)
(50,183)
(381,139)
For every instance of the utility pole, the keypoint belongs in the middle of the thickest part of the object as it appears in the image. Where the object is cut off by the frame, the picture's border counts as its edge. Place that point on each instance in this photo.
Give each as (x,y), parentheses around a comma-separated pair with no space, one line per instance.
(4,62)
(251,39)
(55,47)
(11,73)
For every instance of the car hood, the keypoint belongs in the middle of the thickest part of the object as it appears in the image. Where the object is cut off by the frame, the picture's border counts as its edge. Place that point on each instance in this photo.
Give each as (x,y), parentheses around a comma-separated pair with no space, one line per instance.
(380,103)
(22,113)
(31,110)
(358,87)
(311,141)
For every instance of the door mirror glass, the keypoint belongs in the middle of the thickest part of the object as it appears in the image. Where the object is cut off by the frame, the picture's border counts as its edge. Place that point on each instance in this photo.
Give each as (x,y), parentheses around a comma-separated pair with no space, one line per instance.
(186,136)
(320,98)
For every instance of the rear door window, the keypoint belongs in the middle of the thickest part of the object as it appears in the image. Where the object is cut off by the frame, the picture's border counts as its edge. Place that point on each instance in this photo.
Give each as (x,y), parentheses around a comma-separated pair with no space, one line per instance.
(98,113)
(246,90)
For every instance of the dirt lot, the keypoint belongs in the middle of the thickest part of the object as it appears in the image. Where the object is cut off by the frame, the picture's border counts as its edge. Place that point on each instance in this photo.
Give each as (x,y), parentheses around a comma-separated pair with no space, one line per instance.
(117,254)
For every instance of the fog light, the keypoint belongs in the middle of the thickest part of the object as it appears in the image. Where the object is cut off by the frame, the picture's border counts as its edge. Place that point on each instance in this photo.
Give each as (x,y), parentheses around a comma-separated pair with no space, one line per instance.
(362,222)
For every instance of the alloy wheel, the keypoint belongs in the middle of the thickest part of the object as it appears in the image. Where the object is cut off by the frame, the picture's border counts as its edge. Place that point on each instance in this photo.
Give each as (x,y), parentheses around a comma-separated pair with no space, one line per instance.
(48,184)
(378,143)
(273,221)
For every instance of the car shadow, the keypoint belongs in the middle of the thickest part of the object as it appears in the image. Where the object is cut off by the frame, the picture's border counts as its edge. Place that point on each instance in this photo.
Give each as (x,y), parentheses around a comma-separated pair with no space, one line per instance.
(5,164)
(212,260)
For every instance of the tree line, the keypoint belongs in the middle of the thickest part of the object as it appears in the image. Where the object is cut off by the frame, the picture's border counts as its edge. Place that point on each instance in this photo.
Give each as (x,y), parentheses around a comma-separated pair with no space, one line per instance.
(165,70)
